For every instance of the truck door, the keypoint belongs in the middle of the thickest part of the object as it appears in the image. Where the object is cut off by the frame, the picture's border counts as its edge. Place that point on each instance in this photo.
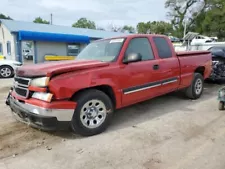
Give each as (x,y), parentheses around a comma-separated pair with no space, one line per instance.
(139,80)
(168,65)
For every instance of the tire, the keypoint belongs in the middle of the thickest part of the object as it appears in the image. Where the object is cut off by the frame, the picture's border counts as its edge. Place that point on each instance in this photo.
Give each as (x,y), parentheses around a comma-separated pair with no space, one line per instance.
(6,71)
(195,90)
(93,113)
(221,106)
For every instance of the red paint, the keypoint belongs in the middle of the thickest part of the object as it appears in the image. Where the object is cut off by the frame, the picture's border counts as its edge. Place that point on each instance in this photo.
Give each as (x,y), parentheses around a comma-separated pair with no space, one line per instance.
(73,76)
(37,89)
(52,105)
(51,68)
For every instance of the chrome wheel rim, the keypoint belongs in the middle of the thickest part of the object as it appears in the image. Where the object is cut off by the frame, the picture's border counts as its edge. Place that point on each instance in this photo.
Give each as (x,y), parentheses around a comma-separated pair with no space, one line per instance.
(6,72)
(198,86)
(93,113)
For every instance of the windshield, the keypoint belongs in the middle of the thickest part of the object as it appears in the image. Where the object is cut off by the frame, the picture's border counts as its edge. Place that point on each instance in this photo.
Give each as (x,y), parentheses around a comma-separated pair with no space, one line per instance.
(106,50)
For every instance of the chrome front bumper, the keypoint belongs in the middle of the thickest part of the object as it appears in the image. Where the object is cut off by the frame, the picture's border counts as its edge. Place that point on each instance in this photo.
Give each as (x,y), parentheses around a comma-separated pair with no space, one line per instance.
(60,114)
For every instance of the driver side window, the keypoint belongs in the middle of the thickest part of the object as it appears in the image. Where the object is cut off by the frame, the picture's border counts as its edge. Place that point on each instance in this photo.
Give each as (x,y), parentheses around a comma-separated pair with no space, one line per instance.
(141,46)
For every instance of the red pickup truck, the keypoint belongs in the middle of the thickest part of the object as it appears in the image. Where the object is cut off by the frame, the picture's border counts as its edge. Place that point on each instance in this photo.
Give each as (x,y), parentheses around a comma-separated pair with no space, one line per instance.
(107,75)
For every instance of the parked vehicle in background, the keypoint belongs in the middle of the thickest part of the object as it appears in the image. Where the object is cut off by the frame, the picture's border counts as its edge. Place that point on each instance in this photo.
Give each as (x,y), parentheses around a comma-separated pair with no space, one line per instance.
(221,98)
(8,67)
(27,54)
(108,74)
(218,61)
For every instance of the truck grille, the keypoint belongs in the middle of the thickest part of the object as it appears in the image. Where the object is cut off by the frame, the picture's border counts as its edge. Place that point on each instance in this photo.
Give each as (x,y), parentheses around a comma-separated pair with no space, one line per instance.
(22,81)
(21,86)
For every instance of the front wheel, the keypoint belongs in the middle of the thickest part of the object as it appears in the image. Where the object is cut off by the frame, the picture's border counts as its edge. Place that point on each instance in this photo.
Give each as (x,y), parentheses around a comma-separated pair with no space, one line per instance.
(93,113)
(195,90)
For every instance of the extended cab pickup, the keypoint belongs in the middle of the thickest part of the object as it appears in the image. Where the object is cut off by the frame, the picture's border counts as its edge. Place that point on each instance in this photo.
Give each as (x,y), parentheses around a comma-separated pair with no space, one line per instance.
(107,75)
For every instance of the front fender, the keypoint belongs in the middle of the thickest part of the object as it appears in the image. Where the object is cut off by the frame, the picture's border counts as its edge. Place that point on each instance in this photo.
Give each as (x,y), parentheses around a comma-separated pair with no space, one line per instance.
(111,82)
(66,85)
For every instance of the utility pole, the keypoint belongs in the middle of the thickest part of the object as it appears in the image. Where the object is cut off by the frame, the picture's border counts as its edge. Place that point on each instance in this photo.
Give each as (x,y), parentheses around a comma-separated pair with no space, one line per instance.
(51,19)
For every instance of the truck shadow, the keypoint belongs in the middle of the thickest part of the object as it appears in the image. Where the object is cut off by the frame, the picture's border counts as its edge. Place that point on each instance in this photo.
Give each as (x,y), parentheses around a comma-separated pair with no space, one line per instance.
(154,108)
(145,111)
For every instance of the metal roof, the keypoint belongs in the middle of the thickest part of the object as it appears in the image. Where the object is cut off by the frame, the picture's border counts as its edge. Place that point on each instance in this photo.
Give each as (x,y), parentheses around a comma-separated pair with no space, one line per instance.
(190,36)
(16,26)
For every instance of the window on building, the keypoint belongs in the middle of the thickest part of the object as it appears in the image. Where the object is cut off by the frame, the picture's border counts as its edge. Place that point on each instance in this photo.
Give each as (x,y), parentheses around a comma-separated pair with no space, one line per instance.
(8,48)
(73,49)
(1,52)
(163,47)
(142,46)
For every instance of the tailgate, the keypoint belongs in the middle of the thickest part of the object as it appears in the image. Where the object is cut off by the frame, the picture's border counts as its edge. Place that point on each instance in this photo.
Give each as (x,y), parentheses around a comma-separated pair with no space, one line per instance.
(192,53)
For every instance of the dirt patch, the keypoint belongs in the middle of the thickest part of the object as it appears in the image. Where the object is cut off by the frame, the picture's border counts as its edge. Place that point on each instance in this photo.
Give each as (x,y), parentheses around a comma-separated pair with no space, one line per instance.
(4,89)
(154,162)
(17,138)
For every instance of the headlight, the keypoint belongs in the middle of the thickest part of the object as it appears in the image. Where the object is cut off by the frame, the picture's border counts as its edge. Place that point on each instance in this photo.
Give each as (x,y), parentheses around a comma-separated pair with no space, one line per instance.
(40,82)
(43,96)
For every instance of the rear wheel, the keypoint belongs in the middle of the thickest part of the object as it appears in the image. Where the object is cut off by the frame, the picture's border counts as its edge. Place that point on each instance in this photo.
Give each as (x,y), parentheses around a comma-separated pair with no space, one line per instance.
(195,90)
(93,113)
(6,71)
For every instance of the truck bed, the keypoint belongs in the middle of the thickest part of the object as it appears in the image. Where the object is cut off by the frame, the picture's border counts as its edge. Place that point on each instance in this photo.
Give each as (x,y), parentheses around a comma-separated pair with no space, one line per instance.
(202,59)
(192,53)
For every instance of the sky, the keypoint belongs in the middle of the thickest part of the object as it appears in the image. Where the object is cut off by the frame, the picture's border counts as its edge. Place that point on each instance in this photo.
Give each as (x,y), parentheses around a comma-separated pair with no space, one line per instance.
(103,12)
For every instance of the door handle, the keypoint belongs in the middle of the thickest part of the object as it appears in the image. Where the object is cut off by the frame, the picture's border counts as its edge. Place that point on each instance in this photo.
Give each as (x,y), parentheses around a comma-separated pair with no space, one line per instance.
(155,67)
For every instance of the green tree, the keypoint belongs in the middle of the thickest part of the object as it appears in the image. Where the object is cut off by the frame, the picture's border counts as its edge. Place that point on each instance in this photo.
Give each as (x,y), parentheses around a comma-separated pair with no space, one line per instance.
(40,20)
(155,27)
(211,21)
(161,27)
(214,22)
(84,23)
(143,27)
(2,16)
(184,11)
(128,28)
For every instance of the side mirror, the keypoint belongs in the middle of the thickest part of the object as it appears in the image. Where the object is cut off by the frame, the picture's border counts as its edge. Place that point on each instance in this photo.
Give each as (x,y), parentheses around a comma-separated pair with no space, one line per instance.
(132,57)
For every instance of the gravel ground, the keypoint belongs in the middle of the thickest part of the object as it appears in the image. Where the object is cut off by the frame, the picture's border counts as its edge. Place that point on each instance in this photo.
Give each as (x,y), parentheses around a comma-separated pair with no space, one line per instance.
(166,132)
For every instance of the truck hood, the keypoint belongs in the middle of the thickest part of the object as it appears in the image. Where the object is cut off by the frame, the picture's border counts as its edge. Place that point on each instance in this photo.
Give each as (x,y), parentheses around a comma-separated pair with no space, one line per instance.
(53,68)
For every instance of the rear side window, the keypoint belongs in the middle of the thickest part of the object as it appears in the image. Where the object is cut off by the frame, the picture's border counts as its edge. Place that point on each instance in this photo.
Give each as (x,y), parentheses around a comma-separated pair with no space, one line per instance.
(142,46)
(163,47)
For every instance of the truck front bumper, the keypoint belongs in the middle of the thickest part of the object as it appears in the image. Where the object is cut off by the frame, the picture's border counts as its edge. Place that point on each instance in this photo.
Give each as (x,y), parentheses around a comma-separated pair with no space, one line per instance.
(43,118)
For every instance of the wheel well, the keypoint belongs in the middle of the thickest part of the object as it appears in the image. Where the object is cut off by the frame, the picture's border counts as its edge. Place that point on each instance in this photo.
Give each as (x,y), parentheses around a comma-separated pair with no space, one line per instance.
(7,66)
(200,70)
(104,88)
